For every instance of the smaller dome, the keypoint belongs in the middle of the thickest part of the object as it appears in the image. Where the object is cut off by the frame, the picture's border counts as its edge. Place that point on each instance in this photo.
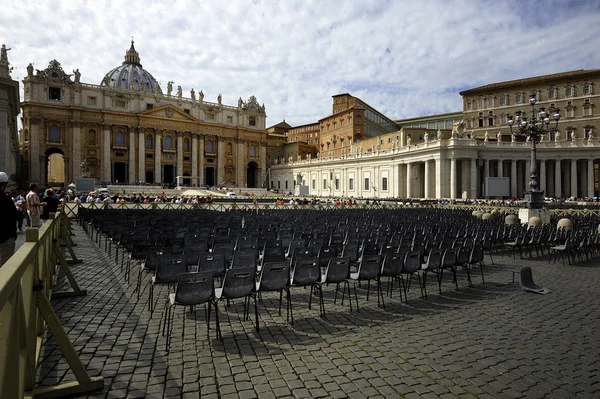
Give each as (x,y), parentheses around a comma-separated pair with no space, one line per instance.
(131,75)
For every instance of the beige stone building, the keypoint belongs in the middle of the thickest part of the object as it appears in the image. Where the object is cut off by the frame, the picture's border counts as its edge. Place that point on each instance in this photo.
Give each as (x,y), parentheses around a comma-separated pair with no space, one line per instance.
(453,155)
(9,110)
(127,130)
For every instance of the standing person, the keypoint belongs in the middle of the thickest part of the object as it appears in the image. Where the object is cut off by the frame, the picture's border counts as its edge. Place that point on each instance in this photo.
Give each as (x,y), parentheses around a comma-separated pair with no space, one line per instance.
(8,224)
(51,204)
(34,206)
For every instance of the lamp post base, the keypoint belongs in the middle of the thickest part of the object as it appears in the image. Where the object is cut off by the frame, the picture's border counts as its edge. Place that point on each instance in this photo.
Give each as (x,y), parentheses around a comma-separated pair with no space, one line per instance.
(534,199)
(525,214)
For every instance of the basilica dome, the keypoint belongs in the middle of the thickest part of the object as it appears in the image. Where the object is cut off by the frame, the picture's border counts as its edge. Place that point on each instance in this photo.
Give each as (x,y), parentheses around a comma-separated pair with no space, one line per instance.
(131,75)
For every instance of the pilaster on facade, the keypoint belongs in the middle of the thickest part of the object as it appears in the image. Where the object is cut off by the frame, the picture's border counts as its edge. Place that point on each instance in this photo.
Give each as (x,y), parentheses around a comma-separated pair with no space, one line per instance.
(132,157)
(158,157)
(141,154)
(106,153)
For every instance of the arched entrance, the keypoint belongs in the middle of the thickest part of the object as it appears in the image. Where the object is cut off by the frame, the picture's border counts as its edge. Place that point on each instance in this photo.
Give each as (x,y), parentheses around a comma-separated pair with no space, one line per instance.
(168,174)
(120,172)
(186,182)
(55,167)
(251,174)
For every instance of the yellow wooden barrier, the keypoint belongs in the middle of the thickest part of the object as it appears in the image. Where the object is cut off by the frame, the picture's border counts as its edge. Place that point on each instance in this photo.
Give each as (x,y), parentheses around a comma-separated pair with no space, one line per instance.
(26,285)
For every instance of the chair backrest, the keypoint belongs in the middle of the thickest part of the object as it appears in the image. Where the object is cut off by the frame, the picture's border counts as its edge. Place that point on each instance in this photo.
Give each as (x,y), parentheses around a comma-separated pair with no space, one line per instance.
(244,258)
(449,258)
(300,253)
(463,256)
(226,248)
(476,254)
(393,263)
(306,271)
(169,268)
(276,254)
(325,253)
(194,288)
(192,255)
(274,276)
(153,256)
(295,243)
(434,260)
(239,283)
(213,262)
(370,249)
(140,249)
(369,267)
(351,250)
(413,261)
(196,243)
(338,270)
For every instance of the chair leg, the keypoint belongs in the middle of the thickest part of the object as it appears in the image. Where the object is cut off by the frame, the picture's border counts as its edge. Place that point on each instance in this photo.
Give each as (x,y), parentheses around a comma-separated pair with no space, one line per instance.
(440,274)
(310,296)
(380,293)
(481,269)
(424,286)
(321,302)
(347,285)
(368,288)
(355,297)
(219,334)
(280,300)
(289,304)
(256,311)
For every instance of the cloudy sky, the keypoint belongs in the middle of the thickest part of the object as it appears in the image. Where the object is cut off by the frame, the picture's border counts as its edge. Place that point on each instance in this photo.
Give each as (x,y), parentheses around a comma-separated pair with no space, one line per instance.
(406,58)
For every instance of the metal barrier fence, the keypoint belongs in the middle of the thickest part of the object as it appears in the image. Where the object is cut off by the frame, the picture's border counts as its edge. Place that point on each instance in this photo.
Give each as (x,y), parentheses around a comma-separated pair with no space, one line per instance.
(71,209)
(26,287)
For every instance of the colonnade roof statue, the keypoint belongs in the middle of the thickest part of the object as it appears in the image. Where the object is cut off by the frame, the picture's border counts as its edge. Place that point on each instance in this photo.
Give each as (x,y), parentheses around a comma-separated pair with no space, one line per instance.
(131,75)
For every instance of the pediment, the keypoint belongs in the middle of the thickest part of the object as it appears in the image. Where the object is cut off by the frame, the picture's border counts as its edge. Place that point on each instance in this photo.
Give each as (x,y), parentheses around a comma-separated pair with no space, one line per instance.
(168,112)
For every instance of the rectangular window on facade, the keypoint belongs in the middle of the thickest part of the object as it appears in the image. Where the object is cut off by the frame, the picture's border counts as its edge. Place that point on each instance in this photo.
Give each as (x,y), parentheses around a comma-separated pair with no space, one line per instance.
(351,184)
(504,119)
(587,132)
(286,184)
(587,89)
(149,156)
(229,119)
(570,91)
(469,105)
(587,111)
(252,121)
(490,121)
(120,103)
(314,184)
(570,112)
(569,134)
(337,183)
(480,103)
(278,184)
(210,116)
(504,101)
(149,106)
(54,93)
(367,184)
(490,102)
(480,123)
(92,100)
(384,183)
(186,110)
(519,98)
(324,184)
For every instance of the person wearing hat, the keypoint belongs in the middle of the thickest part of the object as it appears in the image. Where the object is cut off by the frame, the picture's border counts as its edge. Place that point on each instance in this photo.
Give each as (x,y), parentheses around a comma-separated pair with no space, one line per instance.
(8,223)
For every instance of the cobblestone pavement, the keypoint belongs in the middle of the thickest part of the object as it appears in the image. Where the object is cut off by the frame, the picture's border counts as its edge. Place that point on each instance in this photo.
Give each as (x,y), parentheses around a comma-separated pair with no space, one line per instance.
(490,341)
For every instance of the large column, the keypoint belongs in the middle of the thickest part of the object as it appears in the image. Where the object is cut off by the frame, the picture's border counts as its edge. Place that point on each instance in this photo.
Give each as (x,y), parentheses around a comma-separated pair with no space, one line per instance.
(453,178)
(409,180)
(427,193)
(35,135)
(131,150)
(513,178)
(141,155)
(574,178)
(500,168)
(240,166)
(486,173)
(263,162)
(220,161)
(542,176)
(401,180)
(590,178)
(201,160)
(76,152)
(158,157)
(106,164)
(195,182)
(557,179)
(395,181)
(440,180)
(180,154)
(473,179)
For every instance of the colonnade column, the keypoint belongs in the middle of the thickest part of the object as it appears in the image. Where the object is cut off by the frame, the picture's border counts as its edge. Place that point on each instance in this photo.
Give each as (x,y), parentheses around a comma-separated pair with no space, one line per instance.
(473,179)
(409,190)
(453,178)
(142,155)
(263,163)
(542,176)
(590,178)
(557,179)
(500,168)
(573,178)
(34,150)
(220,161)
(131,149)
(195,182)
(106,175)
(440,179)
(395,180)
(401,181)
(76,151)
(201,160)
(158,158)
(240,162)
(427,193)
(513,178)
(179,154)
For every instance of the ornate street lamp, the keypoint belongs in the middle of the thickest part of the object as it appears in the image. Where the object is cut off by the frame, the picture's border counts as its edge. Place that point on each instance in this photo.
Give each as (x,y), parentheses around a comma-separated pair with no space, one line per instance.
(533,128)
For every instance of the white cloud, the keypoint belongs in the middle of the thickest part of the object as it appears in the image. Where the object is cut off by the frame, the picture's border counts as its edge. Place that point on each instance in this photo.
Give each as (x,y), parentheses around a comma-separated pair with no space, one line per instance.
(404,58)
